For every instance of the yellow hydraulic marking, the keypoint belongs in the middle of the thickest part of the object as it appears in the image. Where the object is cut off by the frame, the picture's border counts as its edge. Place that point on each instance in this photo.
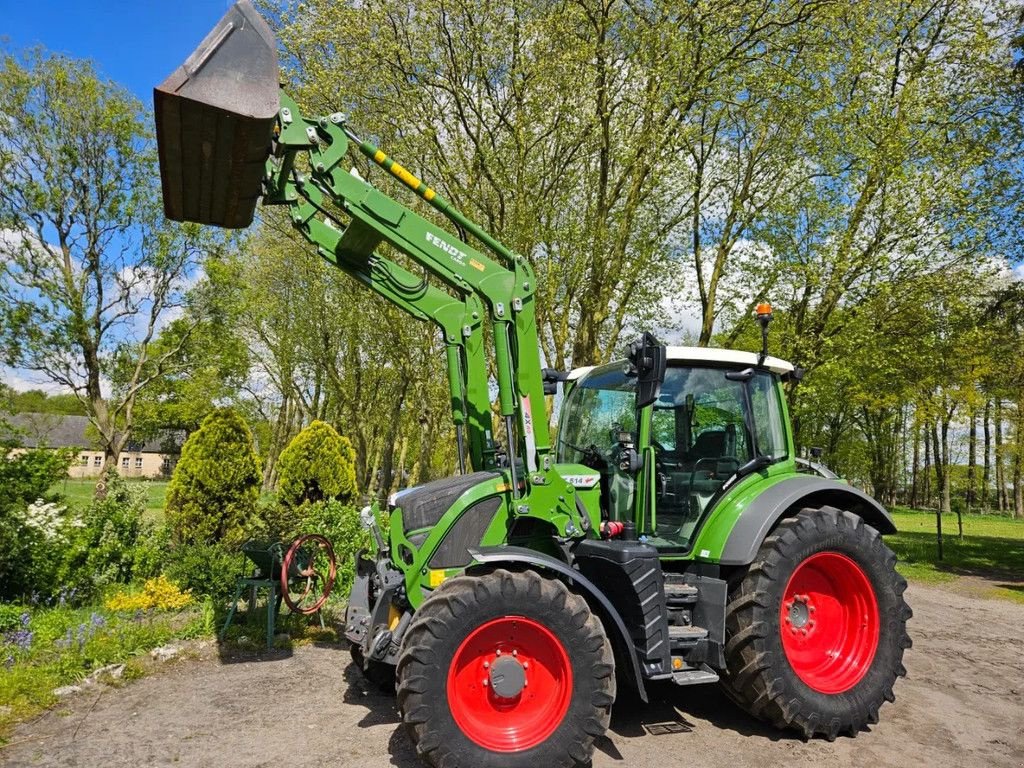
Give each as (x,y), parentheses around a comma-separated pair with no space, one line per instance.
(394,615)
(379,156)
(429,194)
(502,487)
(404,175)
(476,264)
(437,578)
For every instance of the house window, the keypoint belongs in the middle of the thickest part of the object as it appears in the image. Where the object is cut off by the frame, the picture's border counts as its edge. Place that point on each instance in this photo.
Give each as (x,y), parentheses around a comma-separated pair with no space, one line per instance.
(138,462)
(97,461)
(124,463)
(83,460)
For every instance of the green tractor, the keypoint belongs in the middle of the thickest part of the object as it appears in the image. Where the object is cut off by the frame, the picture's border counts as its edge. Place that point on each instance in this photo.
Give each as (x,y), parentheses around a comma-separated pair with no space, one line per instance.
(669,534)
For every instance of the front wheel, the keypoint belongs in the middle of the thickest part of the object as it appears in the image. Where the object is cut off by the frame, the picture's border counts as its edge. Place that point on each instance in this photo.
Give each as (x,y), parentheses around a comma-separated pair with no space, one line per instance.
(816,627)
(505,669)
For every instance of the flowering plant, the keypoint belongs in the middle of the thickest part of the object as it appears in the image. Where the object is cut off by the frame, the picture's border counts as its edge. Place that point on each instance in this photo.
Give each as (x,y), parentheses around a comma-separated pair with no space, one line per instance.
(159,593)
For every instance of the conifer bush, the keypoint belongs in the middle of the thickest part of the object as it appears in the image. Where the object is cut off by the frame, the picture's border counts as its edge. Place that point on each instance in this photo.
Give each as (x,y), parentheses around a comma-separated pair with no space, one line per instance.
(215,487)
(318,465)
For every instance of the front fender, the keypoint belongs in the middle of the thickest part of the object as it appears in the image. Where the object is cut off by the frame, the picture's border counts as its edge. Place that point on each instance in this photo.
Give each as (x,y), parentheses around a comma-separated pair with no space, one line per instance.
(607,612)
(788,497)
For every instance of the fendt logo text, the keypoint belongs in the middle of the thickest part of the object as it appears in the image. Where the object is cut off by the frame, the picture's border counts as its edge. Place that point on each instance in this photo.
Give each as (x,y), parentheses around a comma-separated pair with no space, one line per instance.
(448,248)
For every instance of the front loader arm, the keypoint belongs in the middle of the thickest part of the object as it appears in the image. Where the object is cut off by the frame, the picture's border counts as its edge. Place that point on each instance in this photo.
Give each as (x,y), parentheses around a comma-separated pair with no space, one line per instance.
(507,289)
(460,320)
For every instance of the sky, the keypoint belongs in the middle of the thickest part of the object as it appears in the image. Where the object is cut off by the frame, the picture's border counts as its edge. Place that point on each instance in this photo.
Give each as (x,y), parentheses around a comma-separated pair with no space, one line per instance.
(135,42)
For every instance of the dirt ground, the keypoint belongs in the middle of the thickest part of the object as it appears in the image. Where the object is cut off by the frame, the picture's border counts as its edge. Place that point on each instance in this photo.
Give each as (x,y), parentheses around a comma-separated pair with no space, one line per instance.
(962,705)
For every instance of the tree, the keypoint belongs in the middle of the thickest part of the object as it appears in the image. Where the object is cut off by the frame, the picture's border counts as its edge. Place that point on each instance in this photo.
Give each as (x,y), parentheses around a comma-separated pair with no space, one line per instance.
(90,270)
(215,487)
(317,465)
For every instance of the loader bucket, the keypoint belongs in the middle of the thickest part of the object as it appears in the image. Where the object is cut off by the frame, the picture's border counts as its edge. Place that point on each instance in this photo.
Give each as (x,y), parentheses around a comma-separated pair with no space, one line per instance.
(215,119)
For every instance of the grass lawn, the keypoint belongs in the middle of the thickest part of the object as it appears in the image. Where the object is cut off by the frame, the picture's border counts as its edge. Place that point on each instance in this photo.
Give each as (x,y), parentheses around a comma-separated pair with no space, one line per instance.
(992,548)
(79,493)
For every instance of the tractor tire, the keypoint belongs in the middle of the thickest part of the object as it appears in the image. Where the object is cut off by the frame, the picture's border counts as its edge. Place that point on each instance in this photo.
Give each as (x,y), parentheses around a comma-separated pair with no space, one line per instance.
(505,670)
(816,626)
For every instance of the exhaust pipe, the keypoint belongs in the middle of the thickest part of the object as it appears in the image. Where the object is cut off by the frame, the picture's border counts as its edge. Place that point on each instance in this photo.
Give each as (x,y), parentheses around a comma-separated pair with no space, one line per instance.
(215,118)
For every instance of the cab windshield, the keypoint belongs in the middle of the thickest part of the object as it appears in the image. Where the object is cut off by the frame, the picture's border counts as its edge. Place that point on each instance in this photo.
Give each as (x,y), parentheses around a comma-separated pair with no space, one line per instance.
(704,427)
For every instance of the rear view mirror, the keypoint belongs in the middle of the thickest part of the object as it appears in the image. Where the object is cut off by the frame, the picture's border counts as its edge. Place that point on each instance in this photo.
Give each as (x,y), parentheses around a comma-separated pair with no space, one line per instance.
(649,360)
(215,119)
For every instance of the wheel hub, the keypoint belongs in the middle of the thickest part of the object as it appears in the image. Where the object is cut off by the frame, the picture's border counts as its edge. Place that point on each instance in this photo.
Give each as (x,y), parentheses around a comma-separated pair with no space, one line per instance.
(799,617)
(508,678)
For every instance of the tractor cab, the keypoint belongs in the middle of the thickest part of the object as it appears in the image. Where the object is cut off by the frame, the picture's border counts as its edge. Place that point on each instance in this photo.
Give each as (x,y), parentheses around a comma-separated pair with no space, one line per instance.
(719,415)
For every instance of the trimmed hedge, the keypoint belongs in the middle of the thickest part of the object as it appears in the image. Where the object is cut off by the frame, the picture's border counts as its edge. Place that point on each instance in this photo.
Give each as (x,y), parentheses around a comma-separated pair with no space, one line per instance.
(317,465)
(215,488)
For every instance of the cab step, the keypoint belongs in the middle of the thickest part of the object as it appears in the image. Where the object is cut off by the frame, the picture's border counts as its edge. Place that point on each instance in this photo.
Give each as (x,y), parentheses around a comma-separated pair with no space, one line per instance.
(680,594)
(686,634)
(695,676)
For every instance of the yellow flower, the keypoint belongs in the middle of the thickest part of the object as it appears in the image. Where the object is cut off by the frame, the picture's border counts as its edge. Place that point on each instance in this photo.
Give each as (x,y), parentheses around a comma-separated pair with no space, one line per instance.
(159,593)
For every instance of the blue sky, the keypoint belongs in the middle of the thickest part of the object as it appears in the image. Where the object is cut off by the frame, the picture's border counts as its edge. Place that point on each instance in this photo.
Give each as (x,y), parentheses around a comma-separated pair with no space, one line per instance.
(135,42)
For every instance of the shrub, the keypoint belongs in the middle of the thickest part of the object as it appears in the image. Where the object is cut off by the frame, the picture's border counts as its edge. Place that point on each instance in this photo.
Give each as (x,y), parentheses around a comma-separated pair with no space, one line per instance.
(317,465)
(340,524)
(206,569)
(30,475)
(113,542)
(11,617)
(213,493)
(159,593)
(31,544)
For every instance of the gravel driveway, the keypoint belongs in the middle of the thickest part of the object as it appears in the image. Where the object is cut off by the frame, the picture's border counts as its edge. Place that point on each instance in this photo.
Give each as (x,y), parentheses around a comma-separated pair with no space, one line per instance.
(962,705)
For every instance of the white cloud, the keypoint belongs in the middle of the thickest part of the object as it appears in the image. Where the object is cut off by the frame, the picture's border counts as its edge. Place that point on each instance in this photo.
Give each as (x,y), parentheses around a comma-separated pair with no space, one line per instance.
(12,241)
(21,380)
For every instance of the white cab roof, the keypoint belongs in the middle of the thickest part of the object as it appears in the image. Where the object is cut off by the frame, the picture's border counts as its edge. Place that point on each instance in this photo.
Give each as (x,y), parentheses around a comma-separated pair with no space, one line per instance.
(709,355)
(727,356)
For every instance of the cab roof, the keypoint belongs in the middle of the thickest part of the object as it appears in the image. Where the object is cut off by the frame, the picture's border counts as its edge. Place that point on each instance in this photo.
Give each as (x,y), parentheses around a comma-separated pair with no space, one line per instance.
(731,357)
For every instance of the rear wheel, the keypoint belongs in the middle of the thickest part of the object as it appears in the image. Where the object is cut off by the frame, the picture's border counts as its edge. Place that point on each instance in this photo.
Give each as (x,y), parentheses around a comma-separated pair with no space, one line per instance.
(524,667)
(816,627)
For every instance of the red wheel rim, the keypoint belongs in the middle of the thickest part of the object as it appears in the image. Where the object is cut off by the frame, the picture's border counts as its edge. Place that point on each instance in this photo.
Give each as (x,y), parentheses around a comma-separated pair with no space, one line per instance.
(486,707)
(829,622)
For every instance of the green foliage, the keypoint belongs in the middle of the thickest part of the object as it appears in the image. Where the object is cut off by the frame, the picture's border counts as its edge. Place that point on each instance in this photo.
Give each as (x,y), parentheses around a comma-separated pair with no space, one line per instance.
(340,524)
(30,475)
(32,534)
(10,616)
(207,570)
(317,465)
(37,401)
(115,543)
(213,493)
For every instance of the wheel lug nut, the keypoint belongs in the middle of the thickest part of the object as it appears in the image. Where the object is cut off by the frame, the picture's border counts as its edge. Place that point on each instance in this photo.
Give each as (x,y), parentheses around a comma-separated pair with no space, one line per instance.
(498,652)
(487,664)
(526,665)
(803,631)
(515,653)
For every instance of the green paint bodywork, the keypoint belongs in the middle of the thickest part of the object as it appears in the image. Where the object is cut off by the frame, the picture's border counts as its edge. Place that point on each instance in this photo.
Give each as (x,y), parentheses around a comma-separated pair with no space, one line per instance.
(476,289)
